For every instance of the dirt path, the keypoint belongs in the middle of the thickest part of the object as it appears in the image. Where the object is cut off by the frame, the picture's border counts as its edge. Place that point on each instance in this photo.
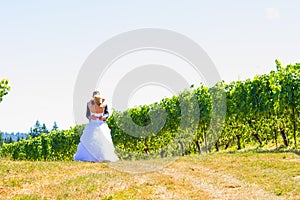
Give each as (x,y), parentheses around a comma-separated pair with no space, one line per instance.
(216,184)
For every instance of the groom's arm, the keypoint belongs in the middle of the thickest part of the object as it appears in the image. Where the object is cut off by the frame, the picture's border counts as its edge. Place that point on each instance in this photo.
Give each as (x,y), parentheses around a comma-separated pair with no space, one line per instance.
(88,112)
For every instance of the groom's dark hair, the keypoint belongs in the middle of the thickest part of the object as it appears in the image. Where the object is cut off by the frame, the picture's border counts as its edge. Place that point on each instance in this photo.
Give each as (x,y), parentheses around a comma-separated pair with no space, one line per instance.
(96,92)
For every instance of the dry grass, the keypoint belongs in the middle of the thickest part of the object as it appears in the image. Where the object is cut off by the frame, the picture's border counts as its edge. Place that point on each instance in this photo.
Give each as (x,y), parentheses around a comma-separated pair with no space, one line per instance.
(215,176)
(276,173)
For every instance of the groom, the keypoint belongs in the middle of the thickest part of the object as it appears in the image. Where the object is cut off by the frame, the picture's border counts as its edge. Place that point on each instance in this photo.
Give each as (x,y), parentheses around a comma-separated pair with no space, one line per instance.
(88,112)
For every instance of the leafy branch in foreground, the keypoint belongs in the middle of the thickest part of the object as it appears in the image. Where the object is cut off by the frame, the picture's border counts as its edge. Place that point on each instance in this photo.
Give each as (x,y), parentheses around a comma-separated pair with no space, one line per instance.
(4,88)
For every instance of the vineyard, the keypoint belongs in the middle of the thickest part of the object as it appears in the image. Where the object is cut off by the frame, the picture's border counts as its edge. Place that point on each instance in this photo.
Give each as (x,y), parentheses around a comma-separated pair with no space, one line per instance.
(259,112)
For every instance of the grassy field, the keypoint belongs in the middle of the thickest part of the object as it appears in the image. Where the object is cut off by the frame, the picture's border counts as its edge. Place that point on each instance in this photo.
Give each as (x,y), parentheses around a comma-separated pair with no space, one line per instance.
(247,175)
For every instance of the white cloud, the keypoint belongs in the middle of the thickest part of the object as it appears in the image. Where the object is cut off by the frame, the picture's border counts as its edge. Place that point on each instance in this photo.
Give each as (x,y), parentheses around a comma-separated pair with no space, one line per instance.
(272,13)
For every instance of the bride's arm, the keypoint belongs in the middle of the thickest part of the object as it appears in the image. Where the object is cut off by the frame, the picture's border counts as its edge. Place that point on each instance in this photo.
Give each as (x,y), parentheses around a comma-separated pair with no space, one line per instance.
(105,112)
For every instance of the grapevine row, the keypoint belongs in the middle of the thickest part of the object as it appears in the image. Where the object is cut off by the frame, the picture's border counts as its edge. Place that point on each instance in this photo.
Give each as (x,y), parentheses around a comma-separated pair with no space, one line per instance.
(263,111)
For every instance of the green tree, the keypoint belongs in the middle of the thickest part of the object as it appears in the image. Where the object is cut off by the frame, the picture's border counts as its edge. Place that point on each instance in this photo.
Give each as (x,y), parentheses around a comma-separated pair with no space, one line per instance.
(8,140)
(4,88)
(55,127)
(44,129)
(36,130)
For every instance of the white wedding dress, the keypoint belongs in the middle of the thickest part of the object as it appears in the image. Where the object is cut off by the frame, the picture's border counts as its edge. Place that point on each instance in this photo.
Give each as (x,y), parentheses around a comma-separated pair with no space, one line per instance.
(95,143)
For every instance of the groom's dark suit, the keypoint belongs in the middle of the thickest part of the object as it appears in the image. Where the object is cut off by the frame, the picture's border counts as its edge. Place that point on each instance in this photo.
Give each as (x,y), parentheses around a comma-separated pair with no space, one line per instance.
(88,112)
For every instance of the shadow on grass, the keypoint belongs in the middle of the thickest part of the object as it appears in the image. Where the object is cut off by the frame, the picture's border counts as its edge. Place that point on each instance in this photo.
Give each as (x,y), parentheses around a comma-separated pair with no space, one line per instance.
(280,149)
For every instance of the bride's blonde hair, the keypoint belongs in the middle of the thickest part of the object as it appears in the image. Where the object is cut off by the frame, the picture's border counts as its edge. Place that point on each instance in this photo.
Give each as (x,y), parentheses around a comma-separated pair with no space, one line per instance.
(97,99)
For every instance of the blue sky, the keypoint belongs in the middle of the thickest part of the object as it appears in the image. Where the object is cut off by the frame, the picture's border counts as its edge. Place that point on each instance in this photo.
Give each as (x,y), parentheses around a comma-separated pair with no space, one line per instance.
(44,44)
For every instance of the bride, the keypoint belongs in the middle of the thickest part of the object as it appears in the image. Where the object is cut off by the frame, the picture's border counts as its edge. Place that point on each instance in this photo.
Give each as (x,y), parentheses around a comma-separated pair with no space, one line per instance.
(95,142)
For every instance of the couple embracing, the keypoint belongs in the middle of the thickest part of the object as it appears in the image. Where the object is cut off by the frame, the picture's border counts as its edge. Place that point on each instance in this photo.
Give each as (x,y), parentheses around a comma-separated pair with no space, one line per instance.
(95,143)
